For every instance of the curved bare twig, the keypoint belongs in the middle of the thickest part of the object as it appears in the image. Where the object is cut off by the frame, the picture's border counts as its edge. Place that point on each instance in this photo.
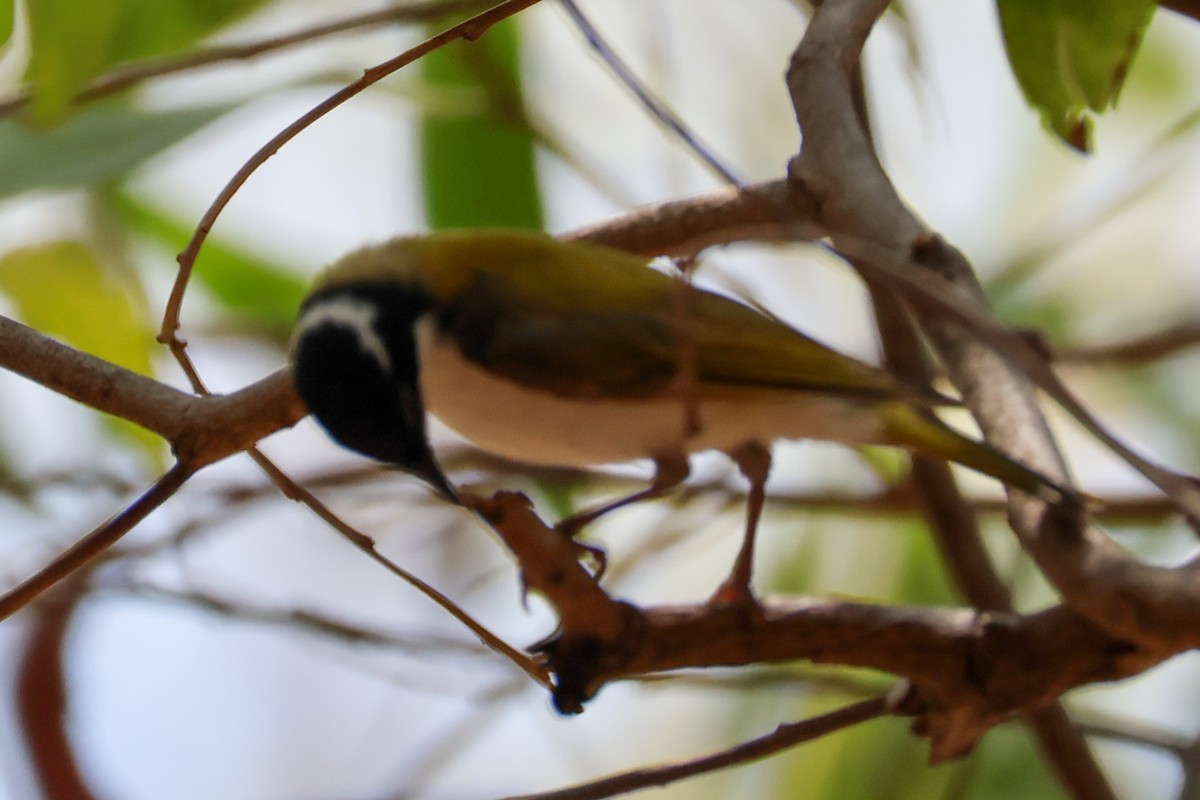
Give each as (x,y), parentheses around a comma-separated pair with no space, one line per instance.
(131,75)
(657,108)
(782,738)
(470,29)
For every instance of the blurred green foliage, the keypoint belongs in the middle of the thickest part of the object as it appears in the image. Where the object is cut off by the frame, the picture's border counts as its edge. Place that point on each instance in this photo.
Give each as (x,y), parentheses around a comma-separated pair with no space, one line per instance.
(103,143)
(7,17)
(259,298)
(1071,56)
(477,148)
(65,289)
(73,42)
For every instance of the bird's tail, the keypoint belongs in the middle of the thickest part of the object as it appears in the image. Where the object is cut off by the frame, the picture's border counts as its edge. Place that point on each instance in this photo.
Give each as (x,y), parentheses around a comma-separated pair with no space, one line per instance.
(923,433)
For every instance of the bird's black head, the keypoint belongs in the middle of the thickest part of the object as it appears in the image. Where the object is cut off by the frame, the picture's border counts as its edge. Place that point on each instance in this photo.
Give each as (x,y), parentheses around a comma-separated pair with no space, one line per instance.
(355,366)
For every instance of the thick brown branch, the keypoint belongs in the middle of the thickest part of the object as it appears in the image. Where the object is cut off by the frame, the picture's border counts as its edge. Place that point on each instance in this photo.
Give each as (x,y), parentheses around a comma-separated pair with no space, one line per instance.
(970,671)
(201,430)
(952,522)
(859,206)
(766,212)
(220,425)
(92,381)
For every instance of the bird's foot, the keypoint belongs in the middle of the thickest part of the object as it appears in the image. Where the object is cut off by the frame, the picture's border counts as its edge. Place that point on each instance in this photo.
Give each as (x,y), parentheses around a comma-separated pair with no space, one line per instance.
(593,557)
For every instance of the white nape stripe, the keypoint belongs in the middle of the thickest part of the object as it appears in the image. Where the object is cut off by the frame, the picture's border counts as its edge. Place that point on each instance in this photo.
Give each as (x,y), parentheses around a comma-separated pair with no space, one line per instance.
(357,316)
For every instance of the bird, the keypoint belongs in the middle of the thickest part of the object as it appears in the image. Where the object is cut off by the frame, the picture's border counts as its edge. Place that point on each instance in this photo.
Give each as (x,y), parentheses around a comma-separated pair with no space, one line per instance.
(572,354)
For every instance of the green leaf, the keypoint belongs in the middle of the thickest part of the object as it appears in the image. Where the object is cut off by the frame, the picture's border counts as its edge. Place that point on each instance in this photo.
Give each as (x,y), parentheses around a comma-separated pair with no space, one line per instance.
(102,144)
(64,290)
(478,164)
(1071,56)
(70,43)
(1008,764)
(73,42)
(265,295)
(7,18)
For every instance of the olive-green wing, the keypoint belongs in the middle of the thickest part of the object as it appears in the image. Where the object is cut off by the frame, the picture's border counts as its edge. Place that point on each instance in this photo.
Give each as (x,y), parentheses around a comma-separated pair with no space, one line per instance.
(578,353)
(737,345)
(541,337)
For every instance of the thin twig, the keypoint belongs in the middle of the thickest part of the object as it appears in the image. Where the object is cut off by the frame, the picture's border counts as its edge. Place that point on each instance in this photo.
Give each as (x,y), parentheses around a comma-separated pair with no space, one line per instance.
(658,109)
(130,75)
(366,544)
(470,30)
(1136,351)
(310,622)
(782,738)
(94,543)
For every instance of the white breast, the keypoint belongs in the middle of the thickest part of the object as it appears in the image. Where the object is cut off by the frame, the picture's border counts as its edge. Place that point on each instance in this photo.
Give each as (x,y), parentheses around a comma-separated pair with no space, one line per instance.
(538,427)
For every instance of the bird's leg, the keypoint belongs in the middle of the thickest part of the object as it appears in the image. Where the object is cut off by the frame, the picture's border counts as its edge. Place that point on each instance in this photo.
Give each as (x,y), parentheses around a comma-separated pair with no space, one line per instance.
(754,461)
(669,472)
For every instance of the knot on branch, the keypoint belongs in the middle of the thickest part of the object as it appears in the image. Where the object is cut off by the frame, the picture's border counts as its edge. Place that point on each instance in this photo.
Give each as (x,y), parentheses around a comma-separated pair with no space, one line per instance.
(582,662)
(596,634)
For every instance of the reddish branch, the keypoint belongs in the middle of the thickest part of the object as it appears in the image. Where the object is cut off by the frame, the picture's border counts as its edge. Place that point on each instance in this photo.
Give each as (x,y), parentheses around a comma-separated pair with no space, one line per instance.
(970,670)
(199,429)
(42,698)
